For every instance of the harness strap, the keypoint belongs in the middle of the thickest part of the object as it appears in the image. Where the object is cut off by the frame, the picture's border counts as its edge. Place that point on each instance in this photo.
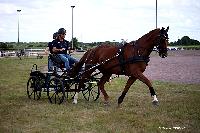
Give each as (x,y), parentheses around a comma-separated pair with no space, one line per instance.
(121,58)
(136,59)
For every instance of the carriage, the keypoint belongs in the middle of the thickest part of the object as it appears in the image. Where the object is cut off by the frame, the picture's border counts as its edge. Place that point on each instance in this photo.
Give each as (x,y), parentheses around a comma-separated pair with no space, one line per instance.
(130,59)
(58,86)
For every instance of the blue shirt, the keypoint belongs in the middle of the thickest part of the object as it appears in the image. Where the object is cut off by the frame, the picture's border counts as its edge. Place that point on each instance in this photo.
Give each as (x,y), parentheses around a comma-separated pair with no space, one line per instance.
(61,44)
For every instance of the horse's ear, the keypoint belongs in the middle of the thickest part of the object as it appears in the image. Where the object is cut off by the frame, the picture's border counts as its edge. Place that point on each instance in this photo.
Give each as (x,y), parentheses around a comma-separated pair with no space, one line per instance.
(167,29)
(162,30)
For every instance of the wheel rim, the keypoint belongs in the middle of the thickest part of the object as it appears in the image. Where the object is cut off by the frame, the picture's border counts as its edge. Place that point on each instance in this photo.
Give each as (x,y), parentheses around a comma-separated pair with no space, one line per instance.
(33,89)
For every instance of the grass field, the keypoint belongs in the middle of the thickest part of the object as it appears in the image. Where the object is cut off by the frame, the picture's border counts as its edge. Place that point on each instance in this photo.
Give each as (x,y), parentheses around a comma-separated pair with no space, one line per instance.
(179,109)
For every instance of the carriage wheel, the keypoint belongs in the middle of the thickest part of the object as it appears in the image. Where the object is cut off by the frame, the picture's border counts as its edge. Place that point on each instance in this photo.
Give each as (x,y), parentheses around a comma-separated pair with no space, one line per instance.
(33,88)
(55,91)
(91,91)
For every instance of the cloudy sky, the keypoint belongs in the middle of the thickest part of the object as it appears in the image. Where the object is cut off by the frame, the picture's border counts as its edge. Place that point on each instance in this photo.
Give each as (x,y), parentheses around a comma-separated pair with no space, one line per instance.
(98,20)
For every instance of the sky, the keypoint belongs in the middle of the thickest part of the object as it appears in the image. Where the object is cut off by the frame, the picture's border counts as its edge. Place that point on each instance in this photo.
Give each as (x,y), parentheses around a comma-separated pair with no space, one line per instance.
(97,20)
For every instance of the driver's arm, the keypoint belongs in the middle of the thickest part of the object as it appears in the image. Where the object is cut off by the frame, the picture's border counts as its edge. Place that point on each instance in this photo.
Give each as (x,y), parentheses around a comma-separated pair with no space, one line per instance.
(55,50)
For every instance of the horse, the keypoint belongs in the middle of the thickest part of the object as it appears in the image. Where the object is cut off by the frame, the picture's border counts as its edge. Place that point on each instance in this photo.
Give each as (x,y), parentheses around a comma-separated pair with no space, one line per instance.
(130,59)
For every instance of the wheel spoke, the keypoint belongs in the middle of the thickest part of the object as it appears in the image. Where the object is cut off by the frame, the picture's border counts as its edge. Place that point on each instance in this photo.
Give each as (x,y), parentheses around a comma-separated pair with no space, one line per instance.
(33,88)
(34,95)
(88,95)
(53,95)
(85,92)
(58,94)
(92,95)
(31,94)
(55,98)
(91,91)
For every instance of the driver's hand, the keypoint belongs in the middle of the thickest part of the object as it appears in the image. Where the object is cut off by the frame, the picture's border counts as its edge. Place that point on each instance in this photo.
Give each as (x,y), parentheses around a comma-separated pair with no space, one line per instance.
(62,49)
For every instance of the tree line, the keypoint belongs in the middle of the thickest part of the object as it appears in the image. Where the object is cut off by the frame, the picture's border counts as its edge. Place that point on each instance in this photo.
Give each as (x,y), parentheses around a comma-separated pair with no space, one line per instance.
(184,41)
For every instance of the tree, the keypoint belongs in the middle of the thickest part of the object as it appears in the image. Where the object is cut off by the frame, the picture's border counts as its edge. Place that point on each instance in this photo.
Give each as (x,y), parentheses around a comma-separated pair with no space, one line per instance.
(185,41)
(75,43)
(5,46)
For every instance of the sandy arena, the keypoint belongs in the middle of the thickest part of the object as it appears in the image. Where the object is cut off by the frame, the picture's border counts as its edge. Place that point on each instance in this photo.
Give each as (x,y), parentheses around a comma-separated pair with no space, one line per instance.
(179,66)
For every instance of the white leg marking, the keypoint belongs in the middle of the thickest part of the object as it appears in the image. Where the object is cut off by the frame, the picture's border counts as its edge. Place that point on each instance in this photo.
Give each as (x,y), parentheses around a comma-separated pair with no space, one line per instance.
(155,100)
(75,98)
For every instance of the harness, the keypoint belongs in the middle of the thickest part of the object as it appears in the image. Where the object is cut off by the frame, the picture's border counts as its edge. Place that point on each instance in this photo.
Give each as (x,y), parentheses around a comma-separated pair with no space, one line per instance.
(131,60)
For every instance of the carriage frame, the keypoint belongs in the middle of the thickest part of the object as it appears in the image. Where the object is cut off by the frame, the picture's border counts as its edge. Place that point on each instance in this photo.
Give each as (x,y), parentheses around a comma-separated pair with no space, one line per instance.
(59,87)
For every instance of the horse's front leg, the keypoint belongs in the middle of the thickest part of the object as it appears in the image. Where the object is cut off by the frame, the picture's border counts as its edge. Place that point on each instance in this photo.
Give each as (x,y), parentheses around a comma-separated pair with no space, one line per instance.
(130,81)
(142,78)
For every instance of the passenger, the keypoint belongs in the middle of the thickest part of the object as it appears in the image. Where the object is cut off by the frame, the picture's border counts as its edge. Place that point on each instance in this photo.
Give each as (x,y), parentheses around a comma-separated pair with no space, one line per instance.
(50,44)
(61,47)
(49,50)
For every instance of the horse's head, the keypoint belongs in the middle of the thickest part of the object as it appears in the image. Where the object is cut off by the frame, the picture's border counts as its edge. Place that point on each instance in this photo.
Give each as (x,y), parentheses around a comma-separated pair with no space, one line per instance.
(156,38)
(162,42)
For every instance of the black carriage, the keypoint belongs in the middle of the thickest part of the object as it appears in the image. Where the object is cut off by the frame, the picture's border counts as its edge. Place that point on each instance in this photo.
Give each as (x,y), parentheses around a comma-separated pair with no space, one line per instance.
(58,86)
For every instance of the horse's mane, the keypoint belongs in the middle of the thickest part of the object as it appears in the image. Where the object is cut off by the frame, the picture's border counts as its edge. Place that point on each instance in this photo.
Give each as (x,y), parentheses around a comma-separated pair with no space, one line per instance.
(148,35)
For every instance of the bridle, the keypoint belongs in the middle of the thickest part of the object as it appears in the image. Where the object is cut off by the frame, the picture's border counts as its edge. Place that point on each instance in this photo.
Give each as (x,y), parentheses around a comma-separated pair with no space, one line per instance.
(159,42)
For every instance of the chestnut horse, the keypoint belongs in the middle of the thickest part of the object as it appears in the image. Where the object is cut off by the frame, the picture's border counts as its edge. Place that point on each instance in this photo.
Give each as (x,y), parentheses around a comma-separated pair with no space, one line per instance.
(130,59)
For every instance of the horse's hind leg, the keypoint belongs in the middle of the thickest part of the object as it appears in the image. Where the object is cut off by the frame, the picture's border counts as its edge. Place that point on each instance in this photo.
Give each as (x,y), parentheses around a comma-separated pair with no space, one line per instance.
(75,101)
(142,78)
(101,83)
(130,81)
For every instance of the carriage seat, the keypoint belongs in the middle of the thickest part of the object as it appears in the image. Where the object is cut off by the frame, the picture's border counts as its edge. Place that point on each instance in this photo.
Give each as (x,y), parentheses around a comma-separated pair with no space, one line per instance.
(55,61)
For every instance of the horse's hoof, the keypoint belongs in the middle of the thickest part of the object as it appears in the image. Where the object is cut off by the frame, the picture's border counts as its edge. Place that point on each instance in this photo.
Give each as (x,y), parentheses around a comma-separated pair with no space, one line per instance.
(155,102)
(74,102)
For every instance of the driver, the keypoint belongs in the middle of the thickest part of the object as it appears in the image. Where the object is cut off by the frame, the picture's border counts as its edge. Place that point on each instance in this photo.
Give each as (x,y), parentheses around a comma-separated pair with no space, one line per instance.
(60,47)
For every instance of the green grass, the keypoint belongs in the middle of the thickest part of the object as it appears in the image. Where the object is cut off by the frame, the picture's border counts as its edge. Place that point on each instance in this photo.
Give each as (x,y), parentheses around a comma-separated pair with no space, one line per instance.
(179,106)
(190,46)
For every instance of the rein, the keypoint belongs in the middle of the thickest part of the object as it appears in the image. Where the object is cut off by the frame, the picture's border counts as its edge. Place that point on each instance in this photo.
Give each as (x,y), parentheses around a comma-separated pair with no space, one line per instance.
(97,65)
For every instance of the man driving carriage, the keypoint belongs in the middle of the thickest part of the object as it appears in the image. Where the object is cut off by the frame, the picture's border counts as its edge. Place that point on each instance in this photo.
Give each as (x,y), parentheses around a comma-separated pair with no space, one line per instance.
(61,47)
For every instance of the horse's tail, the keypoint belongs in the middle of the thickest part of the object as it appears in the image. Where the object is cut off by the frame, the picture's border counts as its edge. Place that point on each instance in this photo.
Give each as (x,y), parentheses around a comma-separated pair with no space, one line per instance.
(78,66)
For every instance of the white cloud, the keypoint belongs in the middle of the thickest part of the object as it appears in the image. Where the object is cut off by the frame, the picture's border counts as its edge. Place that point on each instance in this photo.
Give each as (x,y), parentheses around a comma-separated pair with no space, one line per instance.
(98,20)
